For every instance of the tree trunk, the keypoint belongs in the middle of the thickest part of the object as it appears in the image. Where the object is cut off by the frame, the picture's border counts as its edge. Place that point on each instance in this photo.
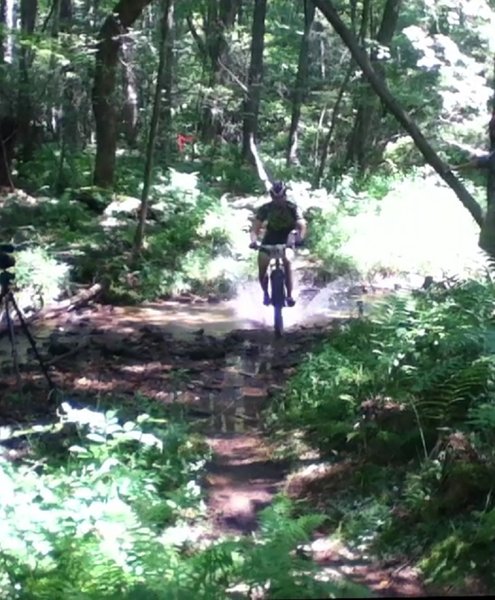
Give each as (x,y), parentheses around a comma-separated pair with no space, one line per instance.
(125,13)
(8,131)
(361,137)
(300,89)
(7,18)
(130,110)
(168,84)
(255,78)
(3,28)
(65,14)
(380,87)
(220,19)
(29,9)
(166,27)
(71,107)
(487,234)
(333,123)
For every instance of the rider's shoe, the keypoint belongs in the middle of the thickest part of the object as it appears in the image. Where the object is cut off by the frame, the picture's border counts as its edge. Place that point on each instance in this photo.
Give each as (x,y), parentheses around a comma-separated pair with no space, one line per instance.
(290,301)
(266,299)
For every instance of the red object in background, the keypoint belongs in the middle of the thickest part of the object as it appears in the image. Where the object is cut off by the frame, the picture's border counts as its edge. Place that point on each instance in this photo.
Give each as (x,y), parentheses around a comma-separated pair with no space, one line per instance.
(182,140)
(491,131)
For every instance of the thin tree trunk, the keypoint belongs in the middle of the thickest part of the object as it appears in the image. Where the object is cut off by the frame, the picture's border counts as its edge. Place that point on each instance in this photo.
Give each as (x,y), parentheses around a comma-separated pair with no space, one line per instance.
(130,110)
(3,28)
(7,18)
(220,19)
(8,132)
(487,234)
(361,137)
(333,123)
(255,78)
(29,9)
(168,84)
(380,87)
(124,14)
(70,108)
(166,27)
(301,82)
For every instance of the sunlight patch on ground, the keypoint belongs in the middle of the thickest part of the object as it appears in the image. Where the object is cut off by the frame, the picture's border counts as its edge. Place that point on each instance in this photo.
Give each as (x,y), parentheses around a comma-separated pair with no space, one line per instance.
(421,228)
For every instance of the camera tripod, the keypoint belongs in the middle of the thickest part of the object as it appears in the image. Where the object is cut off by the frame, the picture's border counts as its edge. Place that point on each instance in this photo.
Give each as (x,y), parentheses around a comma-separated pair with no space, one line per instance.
(8,302)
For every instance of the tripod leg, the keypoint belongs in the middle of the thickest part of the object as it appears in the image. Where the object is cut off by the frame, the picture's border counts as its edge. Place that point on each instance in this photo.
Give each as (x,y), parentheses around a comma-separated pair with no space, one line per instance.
(13,345)
(31,341)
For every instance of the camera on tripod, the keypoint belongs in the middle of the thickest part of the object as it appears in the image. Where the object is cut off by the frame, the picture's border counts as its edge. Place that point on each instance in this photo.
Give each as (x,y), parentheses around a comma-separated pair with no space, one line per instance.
(8,303)
(7,261)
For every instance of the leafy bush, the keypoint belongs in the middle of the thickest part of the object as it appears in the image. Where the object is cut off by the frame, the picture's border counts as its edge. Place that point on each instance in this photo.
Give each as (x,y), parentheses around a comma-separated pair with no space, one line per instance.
(425,352)
(46,173)
(37,273)
(187,230)
(412,385)
(388,223)
(102,507)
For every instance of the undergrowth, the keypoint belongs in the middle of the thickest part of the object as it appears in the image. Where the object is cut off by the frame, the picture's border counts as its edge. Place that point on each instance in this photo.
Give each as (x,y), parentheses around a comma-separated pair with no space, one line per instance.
(91,233)
(97,505)
(408,396)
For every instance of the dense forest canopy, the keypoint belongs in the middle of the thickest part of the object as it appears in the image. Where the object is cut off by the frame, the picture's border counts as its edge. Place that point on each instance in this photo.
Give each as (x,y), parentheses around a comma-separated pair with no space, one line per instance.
(76,74)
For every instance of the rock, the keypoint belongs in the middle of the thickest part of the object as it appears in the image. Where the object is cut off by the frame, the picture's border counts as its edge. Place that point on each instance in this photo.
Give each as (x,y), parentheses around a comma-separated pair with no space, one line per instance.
(122,204)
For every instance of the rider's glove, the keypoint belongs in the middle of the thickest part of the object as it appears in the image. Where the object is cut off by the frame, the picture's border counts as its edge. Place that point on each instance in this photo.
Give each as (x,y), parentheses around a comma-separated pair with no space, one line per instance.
(254,245)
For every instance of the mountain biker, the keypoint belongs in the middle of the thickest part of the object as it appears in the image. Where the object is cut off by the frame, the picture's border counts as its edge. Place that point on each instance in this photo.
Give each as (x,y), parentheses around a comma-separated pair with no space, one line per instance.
(280,217)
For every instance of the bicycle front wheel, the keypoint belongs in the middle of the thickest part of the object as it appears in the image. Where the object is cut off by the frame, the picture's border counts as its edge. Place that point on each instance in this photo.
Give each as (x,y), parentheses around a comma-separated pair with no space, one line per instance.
(278,321)
(278,300)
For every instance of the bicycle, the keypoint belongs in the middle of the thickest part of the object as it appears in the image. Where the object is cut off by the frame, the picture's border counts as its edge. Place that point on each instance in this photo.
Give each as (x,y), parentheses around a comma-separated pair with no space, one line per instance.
(277,281)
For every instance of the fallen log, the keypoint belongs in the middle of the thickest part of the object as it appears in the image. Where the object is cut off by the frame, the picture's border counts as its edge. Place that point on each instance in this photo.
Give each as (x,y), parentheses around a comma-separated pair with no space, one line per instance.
(52,311)
(70,304)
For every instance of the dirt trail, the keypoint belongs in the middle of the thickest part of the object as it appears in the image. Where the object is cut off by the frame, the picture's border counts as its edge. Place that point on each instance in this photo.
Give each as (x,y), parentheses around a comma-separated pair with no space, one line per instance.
(222,383)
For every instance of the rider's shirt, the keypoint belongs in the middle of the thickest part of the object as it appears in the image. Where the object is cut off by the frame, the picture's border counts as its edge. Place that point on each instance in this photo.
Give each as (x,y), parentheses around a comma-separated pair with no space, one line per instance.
(280,218)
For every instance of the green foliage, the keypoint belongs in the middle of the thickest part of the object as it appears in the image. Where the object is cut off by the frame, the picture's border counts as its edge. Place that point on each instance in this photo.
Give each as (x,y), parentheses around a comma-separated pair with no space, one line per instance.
(188,229)
(412,385)
(325,238)
(48,171)
(40,276)
(424,352)
(224,168)
(104,507)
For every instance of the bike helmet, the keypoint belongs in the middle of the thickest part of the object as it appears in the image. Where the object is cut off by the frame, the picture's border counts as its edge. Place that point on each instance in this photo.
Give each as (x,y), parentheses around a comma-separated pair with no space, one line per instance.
(278,189)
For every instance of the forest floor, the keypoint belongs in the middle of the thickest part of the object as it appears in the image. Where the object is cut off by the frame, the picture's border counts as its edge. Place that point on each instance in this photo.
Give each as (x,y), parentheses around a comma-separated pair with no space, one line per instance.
(222,384)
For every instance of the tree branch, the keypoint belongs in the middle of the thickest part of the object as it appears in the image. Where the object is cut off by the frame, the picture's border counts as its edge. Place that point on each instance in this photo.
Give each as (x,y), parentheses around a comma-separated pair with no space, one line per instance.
(380,87)
(243,87)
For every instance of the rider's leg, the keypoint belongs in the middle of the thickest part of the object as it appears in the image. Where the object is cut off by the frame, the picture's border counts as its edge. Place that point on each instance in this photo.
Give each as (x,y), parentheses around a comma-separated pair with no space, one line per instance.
(263,262)
(288,280)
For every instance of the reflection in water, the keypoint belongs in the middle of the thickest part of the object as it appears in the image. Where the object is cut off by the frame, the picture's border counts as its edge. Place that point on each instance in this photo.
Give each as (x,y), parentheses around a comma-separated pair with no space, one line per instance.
(237,406)
(184,320)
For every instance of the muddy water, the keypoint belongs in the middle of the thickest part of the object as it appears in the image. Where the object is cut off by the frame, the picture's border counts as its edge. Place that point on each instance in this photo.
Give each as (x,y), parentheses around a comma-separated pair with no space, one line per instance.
(235,407)
(237,398)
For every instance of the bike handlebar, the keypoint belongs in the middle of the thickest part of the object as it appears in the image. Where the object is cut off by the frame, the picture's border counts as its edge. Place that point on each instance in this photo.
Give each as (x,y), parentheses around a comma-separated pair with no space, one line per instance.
(256,246)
